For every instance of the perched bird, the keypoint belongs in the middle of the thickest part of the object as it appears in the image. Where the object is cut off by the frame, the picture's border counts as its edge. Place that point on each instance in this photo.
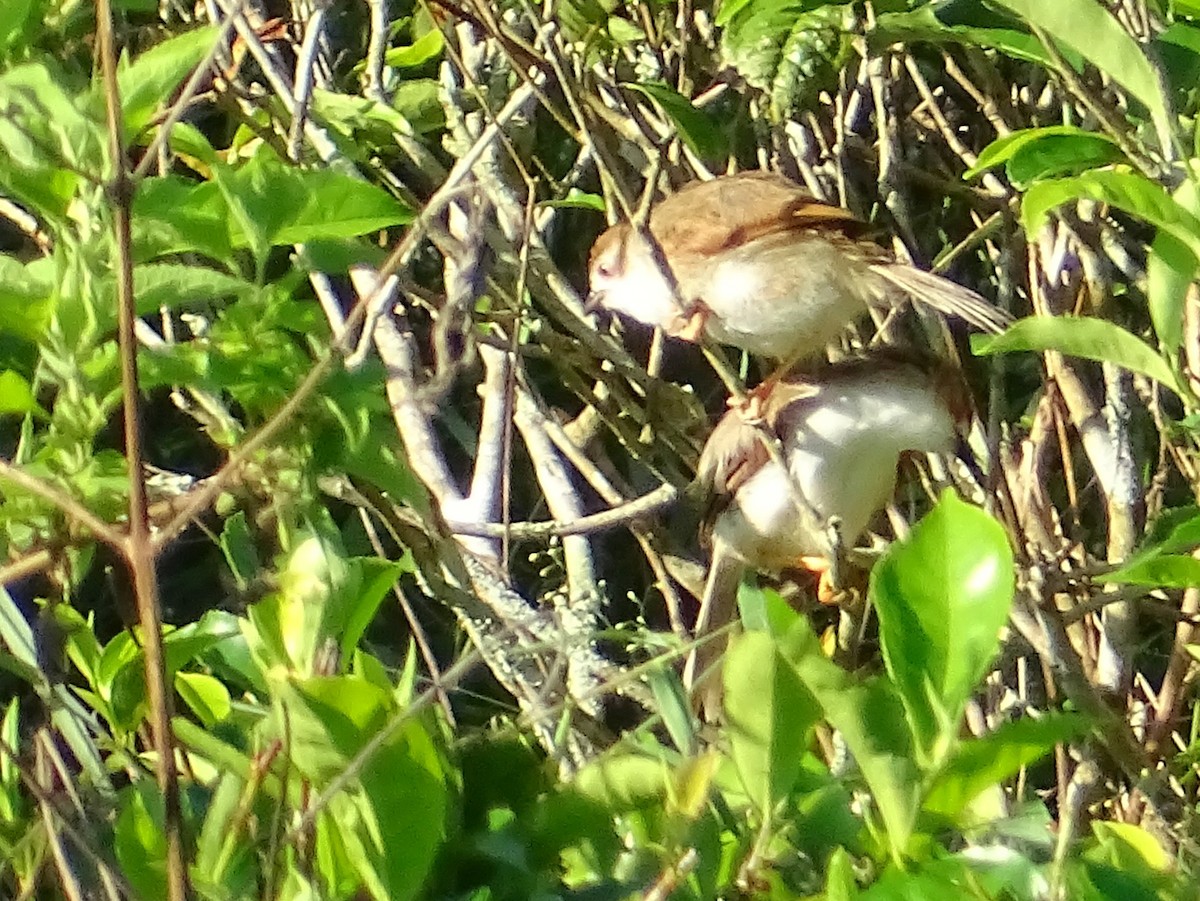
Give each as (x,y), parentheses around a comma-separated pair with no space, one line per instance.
(762,265)
(841,432)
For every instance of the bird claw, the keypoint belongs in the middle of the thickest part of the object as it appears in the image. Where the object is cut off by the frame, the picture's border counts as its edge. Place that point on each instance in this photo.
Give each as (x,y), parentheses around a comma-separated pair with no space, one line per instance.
(829,592)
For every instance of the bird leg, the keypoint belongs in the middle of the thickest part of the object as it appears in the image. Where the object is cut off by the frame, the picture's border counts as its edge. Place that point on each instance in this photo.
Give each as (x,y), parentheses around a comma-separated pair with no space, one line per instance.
(751,406)
(829,570)
(697,321)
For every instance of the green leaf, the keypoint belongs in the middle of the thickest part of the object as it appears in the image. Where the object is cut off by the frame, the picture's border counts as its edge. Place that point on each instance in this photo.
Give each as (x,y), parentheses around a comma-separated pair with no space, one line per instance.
(139,840)
(871,719)
(577,200)
(427,47)
(969,23)
(698,131)
(670,701)
(791,49)
(149,82)
(1170,270)
(980,763)
(1091,31)
(1158,571)
(393,816)
(205,695)
(942,597)
(16,396)
(1004,149)
(769,714)
(172,286)
(273,203)
(1127,191)
(172,214)
(14,15)
(624,781)
(27,297)
(1076,336)
(43,137)
(416,99)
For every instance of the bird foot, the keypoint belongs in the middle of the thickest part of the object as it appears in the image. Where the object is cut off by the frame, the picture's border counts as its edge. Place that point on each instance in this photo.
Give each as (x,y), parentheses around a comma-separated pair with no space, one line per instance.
(693,330)
(828,591)
(751,406)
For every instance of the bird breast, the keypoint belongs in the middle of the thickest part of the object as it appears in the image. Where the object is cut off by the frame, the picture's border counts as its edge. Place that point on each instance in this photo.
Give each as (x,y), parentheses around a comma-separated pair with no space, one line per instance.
(782,296)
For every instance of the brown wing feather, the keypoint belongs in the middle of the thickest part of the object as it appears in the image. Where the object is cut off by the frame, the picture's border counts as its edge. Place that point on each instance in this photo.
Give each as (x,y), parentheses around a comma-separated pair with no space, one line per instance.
(711,216)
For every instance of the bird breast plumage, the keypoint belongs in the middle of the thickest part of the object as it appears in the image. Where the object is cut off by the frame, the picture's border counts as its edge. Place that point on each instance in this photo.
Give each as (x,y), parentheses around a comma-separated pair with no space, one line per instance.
(779,296)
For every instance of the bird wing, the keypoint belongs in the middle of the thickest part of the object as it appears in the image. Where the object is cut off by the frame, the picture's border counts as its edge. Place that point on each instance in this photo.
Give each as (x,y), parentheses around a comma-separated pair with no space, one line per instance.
(708,217)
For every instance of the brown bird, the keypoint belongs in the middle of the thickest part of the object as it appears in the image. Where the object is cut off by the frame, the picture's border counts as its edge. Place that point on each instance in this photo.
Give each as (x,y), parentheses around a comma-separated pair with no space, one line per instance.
(762,265)
(841,433)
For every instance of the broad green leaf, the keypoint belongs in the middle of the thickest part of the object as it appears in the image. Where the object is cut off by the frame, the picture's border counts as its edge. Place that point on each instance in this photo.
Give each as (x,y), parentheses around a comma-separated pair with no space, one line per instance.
(1158,571)
(695,127)
(172,214)
(416,99)
(942,596)
(1127,191)
(27,297)
(172,286)
(1170,270)
(152,78)
(870,718)
(392,817)
(273,203)
(969,23)
(330,718)
(1066,143)
(205,695)
(764,610)
(1076,336)
(981,763)
(1129,846)
(769,714)
(139,840)
(14,15)
(374,580)
(44,136)
(1091,31)
(16,396)
(622,780)
(791,49)
(1174,530)
(426,47)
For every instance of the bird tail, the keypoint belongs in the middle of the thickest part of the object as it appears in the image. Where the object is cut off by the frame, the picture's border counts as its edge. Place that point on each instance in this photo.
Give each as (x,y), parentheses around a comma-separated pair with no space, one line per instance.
(945,296)
(718,608)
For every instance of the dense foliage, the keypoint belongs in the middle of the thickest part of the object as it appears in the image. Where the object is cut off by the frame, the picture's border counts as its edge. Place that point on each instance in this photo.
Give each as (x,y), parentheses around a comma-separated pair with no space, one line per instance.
(402,510)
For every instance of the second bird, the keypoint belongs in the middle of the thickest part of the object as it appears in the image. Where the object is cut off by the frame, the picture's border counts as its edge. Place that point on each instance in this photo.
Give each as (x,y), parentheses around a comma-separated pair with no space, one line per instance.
(841,434)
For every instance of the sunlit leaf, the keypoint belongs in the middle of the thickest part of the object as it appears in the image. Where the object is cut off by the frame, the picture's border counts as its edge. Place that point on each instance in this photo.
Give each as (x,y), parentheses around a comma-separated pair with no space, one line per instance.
(695,127)
(1080,144)
(981,763)
(148,83)
(1092,339)
(942,596)
(1091,31)
(870,718)
(1171,268)
(769,712)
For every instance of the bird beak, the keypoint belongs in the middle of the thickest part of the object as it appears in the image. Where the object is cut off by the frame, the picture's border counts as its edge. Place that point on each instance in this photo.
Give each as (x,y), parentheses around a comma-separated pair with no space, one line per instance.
(594,302)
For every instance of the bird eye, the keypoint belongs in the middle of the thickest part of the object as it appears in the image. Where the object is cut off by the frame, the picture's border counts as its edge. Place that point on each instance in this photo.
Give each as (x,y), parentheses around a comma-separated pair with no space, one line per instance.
(604,270)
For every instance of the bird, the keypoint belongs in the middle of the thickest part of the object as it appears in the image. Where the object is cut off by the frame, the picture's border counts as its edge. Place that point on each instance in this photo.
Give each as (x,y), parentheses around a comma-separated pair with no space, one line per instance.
(841,431)
(760,264)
